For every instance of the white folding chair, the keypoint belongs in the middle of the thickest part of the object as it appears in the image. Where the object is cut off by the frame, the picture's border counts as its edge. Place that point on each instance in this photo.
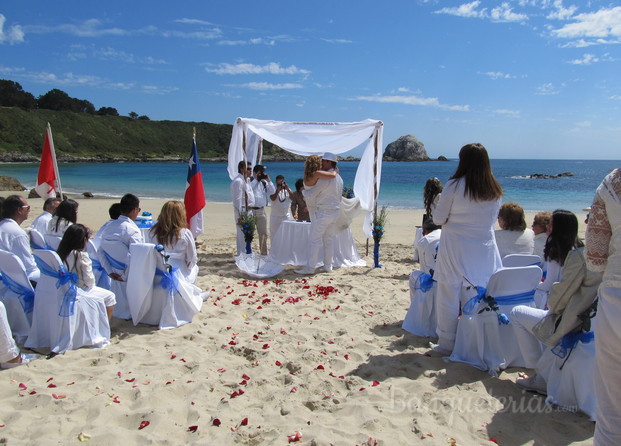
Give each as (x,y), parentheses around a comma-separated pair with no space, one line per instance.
(513,260)
(17,294)
(101,276)
(421,316)
(157,296)
(482,340)
(569,377)
(36,240)
(65,317)
(52,241)
(114,258)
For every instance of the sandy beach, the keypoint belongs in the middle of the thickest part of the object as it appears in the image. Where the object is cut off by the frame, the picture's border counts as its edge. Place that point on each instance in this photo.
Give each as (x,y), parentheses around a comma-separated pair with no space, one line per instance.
(322,356)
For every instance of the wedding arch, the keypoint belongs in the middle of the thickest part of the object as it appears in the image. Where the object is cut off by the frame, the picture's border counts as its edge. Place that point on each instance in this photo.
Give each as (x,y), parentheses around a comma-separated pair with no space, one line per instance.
(315,138)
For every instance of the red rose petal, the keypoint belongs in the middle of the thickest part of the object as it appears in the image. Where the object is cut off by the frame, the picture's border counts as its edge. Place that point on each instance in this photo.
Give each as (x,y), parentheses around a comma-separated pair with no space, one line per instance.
(193,428)
(58,397)
(243,382)
(293,390)
(49,380)
(246,377)
(320,367)
(143,424)
(116,400)
(221,370)
(362,388)
(51,385)
(244,422)
(278,363)
(296,436)
(346,356)
(71,383)
(173,356)
(216,422)
(375,383)
(266,346)
(34,392)
(23,386)
(130,380)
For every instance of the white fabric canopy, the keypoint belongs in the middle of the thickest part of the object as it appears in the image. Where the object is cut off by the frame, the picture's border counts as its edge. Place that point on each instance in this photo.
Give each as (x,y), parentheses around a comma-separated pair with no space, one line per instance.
(315,138)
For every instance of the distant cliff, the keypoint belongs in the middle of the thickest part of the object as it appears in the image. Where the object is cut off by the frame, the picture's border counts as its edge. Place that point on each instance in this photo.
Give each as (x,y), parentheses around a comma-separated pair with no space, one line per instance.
(406,148)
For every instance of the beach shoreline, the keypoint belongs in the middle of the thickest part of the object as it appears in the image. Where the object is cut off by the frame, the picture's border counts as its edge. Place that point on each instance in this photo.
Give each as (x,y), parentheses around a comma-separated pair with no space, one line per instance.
(323,355)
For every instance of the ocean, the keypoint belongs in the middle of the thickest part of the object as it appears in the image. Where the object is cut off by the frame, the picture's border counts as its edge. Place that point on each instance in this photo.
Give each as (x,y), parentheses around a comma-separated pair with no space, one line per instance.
(401,184)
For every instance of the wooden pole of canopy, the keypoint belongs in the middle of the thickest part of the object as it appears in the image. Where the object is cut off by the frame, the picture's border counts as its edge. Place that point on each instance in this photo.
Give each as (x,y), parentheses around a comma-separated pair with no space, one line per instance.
(246,165)
(374,183)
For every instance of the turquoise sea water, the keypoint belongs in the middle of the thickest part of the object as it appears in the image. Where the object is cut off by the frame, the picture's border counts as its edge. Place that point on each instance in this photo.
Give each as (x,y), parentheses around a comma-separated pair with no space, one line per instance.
(401,186)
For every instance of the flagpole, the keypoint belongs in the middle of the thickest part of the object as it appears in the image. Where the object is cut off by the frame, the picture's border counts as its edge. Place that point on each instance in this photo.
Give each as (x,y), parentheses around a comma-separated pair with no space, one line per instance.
(53,152)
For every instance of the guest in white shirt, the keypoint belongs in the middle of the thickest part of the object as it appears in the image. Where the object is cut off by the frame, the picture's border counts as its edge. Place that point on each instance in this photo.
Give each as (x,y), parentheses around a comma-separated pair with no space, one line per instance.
(114,212)
(14,239)
(171,231)
(122,231)
(73,255)
(40,223)
(513,237)
(281,203)
(540,229)
(243,200)
(427,246)
(262,188)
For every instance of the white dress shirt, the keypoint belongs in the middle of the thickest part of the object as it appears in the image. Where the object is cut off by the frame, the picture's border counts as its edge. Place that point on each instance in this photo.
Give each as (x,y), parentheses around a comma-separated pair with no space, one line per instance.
(14,239)
(239,185)
(40,223)
(262,191)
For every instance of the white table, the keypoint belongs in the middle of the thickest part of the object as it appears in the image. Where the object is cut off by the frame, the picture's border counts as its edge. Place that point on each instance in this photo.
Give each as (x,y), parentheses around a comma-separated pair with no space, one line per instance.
(290,246)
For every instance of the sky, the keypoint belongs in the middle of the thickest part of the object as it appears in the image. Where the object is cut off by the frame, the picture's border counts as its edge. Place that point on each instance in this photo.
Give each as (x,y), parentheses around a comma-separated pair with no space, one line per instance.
(535,79)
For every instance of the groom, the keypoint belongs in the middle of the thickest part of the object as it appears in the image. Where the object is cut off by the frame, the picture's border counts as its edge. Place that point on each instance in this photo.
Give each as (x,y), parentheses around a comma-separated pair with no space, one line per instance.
(323,225)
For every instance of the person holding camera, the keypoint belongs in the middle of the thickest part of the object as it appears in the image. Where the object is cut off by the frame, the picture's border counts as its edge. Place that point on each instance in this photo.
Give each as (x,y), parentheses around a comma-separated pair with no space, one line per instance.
(281,202)
(262,188)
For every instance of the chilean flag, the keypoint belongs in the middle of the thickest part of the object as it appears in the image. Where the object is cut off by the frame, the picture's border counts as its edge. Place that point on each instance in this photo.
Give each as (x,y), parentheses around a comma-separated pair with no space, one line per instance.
(194,198)
(48,177)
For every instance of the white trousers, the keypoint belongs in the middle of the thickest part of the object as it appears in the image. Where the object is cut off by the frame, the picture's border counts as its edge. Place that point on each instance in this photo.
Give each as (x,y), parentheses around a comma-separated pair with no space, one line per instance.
(608,368)
(8,348)
(261,229)
(448,296)
(523,318)
(322,233)
(241,241)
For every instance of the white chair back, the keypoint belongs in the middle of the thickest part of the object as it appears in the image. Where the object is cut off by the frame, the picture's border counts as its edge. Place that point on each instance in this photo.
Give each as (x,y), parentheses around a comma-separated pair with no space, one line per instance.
(508,281)
(17,296)
(36,240)
(513,260)
(52,241)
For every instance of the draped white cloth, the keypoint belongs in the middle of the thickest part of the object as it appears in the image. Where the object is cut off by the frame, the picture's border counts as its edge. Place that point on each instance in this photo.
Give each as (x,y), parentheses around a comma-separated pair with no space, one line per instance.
(308,138)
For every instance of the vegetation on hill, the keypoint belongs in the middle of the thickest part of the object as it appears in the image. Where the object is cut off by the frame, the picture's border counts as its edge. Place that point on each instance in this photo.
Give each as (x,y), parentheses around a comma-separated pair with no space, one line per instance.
(82,133)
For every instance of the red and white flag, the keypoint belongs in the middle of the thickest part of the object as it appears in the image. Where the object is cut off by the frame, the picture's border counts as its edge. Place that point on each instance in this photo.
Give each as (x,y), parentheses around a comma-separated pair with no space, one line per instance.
(194,198)
(48,180)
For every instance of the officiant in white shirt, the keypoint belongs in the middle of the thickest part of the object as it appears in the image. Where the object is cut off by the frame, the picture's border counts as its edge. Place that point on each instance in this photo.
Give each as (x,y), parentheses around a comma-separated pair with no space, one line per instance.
(242,196)
(262,188)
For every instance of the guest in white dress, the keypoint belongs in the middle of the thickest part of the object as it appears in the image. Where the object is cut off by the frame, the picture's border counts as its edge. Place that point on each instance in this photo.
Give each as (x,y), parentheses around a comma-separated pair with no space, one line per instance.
(49,207)
(431,196)
(513,237)
(171,231)
(72,252)
(467,211)
(603,255)
(281,202)
(64,216)
(568,299)
(312,173)
(540,228)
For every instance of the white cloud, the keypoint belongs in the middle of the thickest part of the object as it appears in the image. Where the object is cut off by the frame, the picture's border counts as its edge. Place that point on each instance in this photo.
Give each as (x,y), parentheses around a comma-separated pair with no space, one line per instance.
(498,75)
(337,40)
(194,22)
(465,10)
(412,100)
(247,68)
(263,86)
(109,53)
(504,13)
(152,89)
(509,113)
(560,12)
(589,59)
(615,97)
(13,34)
(547,89)
(604,23)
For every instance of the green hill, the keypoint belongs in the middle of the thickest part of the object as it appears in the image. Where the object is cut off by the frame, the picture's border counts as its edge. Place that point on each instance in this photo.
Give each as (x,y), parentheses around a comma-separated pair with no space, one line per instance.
(82,136)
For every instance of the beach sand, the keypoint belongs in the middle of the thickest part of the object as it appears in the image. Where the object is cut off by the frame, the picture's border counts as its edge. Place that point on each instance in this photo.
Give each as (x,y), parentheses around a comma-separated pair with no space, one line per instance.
(324,356)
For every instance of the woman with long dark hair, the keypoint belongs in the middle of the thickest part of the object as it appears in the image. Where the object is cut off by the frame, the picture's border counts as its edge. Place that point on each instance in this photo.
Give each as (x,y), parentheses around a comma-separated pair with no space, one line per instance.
(72,252)
(431,196)
(467,211)
(64,216)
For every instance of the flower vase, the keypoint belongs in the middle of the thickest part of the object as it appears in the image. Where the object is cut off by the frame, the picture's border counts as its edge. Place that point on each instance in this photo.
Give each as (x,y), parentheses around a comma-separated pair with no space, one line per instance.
(376,251)
(248,247)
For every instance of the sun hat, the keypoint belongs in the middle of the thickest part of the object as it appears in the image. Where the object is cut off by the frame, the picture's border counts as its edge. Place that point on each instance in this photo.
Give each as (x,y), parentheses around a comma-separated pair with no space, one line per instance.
(329,157)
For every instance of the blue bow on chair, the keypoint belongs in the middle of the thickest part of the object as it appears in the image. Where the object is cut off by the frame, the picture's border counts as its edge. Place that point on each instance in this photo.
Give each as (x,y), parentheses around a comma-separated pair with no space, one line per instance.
(424,282)
(569,342)
(116,264)
(469,306)
(169,280)
(24,294)
(64,277)
(101,282)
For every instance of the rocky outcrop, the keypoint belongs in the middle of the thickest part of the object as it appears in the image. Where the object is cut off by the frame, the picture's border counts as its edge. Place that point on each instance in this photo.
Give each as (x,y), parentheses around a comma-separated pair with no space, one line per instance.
(10,183)
(543,176)
(406,148)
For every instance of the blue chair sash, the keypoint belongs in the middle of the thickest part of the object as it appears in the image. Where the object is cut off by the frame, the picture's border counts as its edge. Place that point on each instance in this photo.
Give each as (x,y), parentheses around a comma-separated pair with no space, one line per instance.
(64,277)
(569,342)
(35,245)
(103,280)
(24,294)
(510,299)
(116,264)
(169,280)
(424,282)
